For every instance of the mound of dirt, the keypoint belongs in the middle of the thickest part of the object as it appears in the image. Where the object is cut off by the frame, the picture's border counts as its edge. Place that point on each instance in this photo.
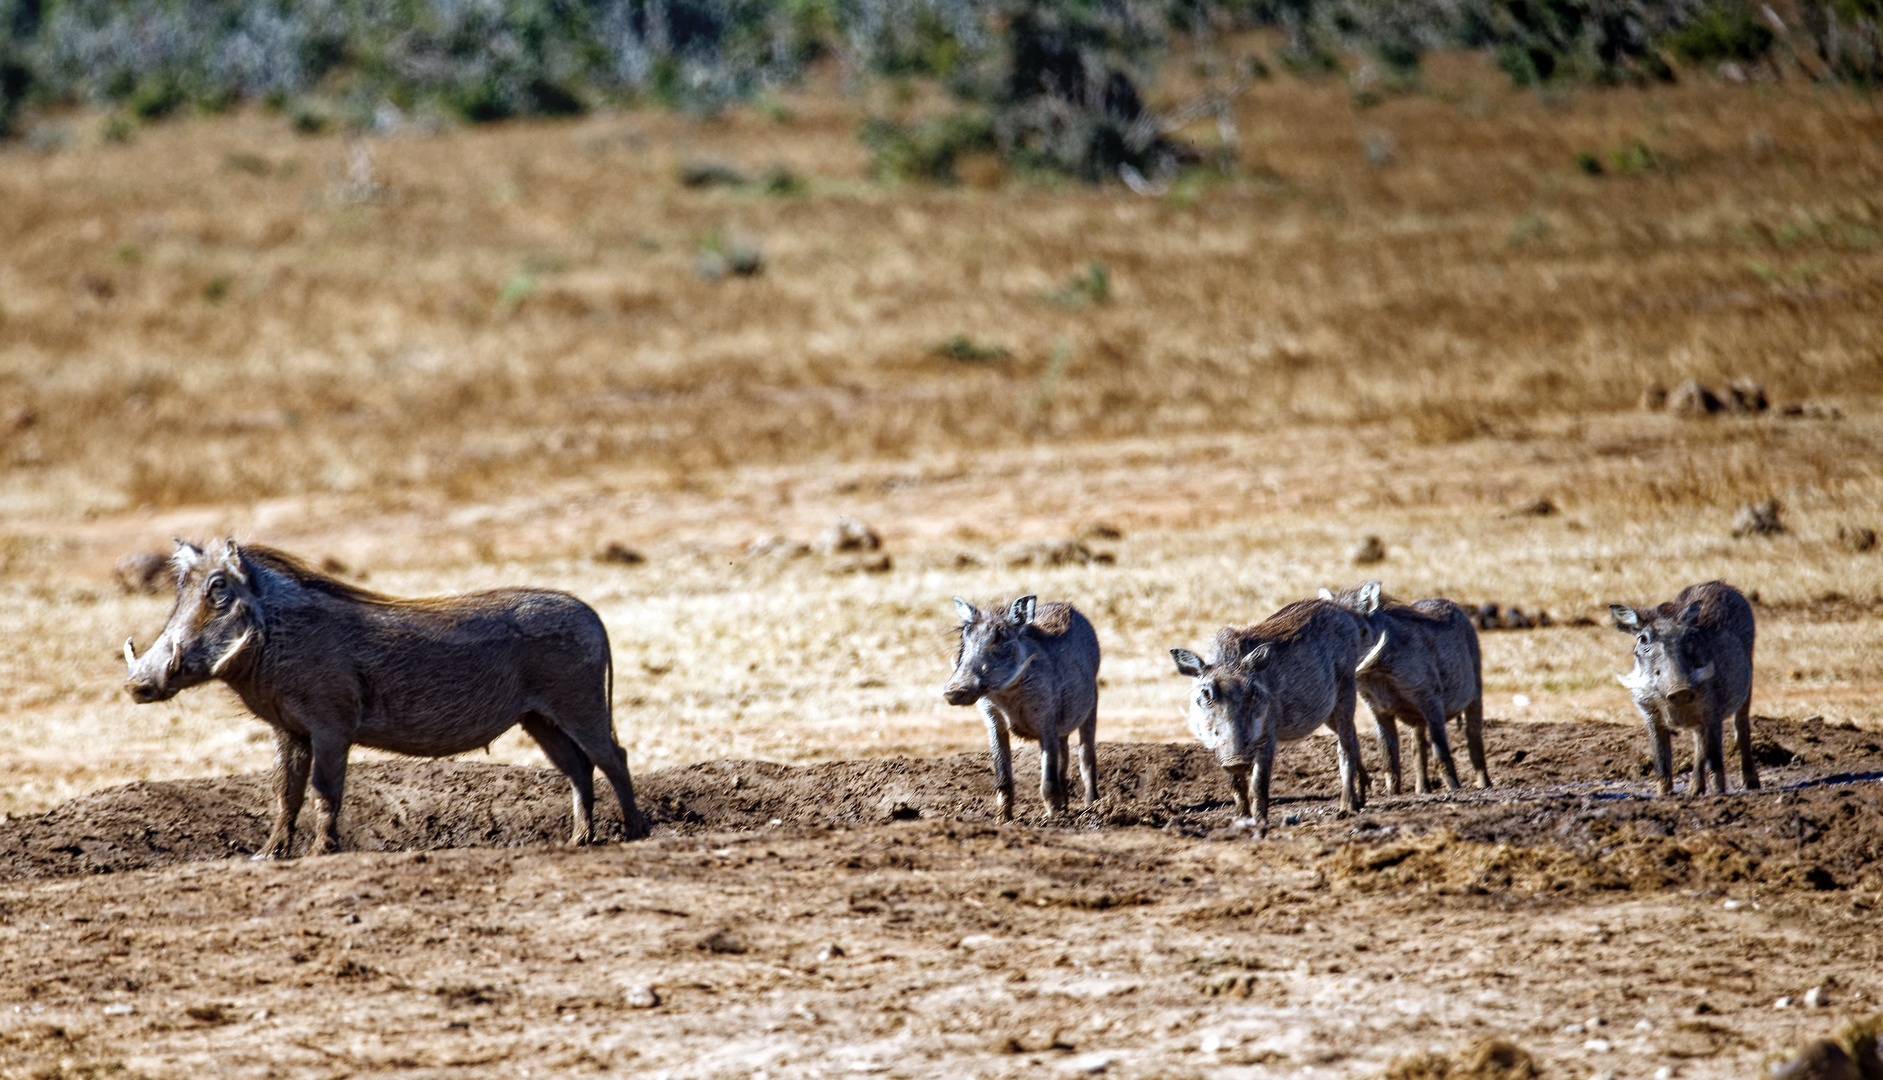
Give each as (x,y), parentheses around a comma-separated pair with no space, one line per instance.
(1545,826)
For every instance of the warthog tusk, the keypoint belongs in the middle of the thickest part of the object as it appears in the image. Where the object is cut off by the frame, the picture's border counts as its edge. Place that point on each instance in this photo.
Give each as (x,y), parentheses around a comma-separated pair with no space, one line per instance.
(130,655)
(1632,680)
(1372,657)
(1008,685)
(1703,674)
(229,654)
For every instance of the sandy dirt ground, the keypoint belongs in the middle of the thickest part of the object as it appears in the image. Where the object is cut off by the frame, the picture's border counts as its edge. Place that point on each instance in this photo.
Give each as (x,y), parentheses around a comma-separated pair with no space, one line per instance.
(861,919)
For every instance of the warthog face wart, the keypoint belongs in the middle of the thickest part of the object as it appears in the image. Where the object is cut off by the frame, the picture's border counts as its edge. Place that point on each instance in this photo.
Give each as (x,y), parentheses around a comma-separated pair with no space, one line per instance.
(993,654)
(213,625)
(1229,703)
(1667,666)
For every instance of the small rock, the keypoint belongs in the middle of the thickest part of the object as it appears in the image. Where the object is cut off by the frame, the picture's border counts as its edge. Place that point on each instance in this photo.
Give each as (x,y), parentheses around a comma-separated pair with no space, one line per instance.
(872,564)
(1100,530)
(965,561)
(1534,508)
(1573,1029)
(145,572)
(846,535)
(1815,998)
(622,554)
(699,174)
(1745,396)
(640,997)
(724,941)
(1757,519)
(1052,553)
(829,952)
(1487,617)
(1091,1064)
(1515,619)
(1819,1060)
(1858,538)
(1598,1046)
(1692,399)
(1370,550)
(1665,1072)
(1653,397)
(1782,1003)
(120,1009)
(977,941)
(1644,1025)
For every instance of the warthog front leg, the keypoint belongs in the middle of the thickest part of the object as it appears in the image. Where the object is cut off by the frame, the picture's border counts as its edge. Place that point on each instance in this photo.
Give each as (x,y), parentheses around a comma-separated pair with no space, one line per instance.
(1053,754)
(1661,748)
(1742,734)
(1003,760)
(1709,757)
(1259,785)
(1474,741)
(293,758)
(1424,778)
(330,783)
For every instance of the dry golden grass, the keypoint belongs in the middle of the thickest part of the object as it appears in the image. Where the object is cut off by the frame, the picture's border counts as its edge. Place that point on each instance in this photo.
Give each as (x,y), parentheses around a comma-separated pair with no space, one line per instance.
(488,354)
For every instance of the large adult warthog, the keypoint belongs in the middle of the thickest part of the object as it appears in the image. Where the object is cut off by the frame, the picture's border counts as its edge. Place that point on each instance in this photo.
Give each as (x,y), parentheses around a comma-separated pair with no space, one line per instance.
(1033,669)
(1273,683)
(328,665)
(1423,669)
(1693,668)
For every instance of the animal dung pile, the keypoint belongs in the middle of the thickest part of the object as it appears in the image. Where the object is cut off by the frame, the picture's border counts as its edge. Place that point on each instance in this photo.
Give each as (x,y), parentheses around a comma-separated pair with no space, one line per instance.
(1691,399)
(1757,519)
(1857,538)
(1370,550)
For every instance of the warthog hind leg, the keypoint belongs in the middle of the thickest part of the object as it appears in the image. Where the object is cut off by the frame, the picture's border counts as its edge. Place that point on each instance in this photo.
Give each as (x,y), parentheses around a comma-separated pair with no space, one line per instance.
(569,760)
(1088,755)
(1742,734)
(1474,741)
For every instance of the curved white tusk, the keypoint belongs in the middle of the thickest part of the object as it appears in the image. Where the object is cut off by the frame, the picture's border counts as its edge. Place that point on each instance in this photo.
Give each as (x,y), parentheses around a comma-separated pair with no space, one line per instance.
(1373,657)
(1008,685)
(1632,680)
(130,655)
(230,653)
(1703,674)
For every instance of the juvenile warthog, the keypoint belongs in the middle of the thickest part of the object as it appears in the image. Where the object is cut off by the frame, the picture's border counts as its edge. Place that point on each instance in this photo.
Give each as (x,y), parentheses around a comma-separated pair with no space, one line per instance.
(329,665)
(1033,669)
(1277,682)
(1693,667)
(1422,670)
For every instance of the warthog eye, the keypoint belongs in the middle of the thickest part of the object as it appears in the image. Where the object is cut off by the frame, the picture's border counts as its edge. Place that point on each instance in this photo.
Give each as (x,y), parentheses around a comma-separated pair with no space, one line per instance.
(1205,695)
(218,593)
(1642,638)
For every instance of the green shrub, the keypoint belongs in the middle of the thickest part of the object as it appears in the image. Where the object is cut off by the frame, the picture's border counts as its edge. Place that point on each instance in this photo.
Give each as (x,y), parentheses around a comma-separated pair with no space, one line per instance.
(1722,33)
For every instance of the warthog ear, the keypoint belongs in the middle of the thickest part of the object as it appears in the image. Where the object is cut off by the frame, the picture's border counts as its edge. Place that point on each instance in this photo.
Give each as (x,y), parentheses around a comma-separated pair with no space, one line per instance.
(1626,618)
(1326,593)
(232,560)
(185,555)
(1370,597)
(1257,658)
(966,610)
(1021,613)
(1689,614)
(1188,663)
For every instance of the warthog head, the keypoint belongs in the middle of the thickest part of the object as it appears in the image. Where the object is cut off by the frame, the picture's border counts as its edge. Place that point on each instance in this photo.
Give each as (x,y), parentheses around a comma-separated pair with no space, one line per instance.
(215,622)
(994,653)
(1229,702)
(1666,664)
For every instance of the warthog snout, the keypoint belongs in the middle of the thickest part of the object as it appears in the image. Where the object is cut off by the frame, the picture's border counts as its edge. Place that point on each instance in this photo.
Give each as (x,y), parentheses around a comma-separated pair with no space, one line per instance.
(146,682)
(958,694)
(1681,695)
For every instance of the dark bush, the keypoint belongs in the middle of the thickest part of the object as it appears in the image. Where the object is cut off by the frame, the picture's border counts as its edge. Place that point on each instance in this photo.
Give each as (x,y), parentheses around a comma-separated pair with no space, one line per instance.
(1722,33)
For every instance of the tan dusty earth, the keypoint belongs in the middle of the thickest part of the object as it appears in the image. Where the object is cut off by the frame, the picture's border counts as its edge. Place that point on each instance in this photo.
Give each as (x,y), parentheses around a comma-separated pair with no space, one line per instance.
(485,356)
